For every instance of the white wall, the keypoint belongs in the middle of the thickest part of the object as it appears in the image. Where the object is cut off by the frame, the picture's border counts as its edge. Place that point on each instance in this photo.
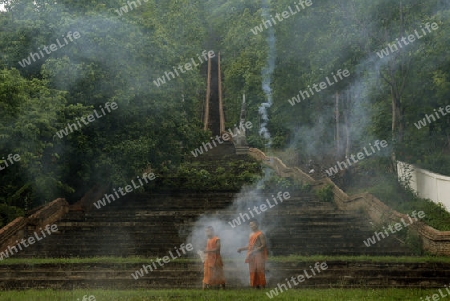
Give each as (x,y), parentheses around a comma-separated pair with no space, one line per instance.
(427,184)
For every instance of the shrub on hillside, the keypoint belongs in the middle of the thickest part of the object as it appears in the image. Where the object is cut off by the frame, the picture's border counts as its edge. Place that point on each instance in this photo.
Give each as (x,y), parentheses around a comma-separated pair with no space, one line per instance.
(325,194)
(9,213)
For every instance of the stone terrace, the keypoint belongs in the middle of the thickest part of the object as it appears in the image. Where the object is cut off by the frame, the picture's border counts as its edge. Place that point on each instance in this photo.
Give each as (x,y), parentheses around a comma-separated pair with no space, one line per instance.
(151,224)
(189,275)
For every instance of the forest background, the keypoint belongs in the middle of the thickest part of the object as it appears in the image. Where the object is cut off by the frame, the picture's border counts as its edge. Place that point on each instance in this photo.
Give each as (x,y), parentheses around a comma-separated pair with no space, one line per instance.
(117,58)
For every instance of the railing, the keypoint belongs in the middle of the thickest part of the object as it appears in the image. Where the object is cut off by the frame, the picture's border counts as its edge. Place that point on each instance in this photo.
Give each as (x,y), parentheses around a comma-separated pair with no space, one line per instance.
(434,241)
(46,215)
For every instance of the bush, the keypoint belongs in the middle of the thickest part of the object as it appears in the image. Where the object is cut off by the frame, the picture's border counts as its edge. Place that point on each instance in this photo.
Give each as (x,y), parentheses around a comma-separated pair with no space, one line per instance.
(231,175)
(325,194)
(9,213)
(306,188)
(275,182)
(386,187)
(414,242)
(438,163)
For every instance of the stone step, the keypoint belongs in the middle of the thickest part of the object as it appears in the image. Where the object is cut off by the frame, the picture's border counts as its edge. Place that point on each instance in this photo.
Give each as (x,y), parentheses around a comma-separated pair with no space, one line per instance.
(153,223)
(188,275)
(292,222)
(160,249)
(114,206)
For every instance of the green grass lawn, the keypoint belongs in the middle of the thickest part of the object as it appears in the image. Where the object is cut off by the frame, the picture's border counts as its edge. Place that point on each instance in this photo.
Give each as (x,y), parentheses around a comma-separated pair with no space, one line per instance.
(231,295)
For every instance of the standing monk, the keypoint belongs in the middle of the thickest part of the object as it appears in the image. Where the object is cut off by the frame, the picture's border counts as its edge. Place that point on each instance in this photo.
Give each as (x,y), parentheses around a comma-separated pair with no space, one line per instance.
(213,265)
(256,256)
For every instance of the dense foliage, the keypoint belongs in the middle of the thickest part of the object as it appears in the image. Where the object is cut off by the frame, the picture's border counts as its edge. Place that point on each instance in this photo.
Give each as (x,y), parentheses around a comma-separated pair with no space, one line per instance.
(117,58)
(225,175)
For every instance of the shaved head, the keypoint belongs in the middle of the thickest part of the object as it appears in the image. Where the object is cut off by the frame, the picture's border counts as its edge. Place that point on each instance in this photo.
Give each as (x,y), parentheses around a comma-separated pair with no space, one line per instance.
(209,231)
(253,220)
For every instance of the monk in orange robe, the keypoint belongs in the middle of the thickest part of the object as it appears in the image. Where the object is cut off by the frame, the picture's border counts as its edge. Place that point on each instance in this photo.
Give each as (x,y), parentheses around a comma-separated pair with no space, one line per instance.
(213,265)
(256,256)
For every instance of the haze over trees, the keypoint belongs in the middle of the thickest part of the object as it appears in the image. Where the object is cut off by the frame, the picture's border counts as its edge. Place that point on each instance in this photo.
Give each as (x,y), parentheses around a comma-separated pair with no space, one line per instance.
(117,58)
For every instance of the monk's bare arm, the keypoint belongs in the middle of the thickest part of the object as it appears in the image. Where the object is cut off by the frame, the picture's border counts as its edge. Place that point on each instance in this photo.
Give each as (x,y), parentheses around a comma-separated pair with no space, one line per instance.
(242,249)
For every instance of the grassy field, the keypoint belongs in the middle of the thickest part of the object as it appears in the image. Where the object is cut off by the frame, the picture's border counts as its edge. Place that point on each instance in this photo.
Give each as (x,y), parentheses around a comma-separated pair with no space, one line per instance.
(231,295)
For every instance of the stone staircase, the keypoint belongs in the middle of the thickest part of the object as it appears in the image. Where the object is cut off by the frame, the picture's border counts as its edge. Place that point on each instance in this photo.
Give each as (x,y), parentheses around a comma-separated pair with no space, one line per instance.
(150,224)
(310,227)
(339,274)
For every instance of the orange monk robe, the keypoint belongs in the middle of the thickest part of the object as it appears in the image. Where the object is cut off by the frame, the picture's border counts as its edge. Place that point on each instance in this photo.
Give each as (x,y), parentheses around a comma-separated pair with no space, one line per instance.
(213,266)
(256,262)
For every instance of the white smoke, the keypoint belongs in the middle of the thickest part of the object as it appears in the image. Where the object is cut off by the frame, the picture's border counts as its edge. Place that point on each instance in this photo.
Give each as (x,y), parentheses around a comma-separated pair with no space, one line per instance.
(266,74)
(236,237)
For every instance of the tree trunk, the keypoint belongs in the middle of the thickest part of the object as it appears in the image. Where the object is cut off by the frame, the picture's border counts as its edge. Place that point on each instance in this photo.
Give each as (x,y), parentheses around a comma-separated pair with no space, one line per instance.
(338,146)
(346,113)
